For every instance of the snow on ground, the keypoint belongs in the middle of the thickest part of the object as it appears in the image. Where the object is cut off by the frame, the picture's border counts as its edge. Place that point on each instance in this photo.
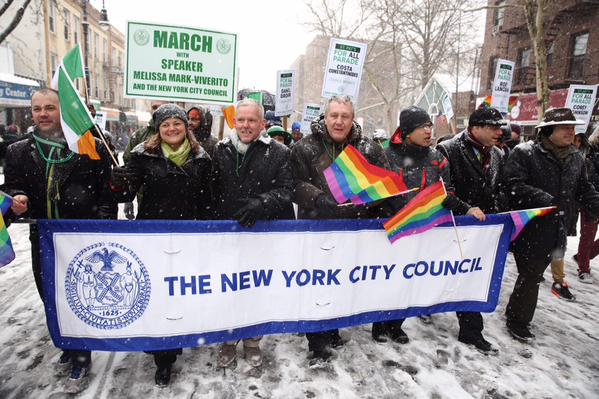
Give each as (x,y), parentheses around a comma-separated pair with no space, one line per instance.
(563,362)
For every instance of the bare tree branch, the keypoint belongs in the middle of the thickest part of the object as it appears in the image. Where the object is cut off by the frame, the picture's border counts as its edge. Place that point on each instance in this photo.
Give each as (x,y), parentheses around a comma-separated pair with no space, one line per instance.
(15,21)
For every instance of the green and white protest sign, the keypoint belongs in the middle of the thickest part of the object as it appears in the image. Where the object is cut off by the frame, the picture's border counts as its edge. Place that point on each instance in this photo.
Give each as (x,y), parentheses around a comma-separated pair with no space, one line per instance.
(311,112)
(502,85)
(581,99)
(180,64)
(100,119)
(343,72)
(285,93)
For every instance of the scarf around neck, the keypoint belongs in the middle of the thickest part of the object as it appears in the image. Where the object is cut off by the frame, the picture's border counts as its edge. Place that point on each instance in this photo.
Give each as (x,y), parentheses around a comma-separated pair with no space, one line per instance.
(561,153)
(179,156)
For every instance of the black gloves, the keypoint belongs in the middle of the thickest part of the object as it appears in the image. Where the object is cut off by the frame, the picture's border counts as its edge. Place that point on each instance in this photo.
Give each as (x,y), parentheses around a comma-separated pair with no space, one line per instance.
(325,203)
(121,176)
(250,212)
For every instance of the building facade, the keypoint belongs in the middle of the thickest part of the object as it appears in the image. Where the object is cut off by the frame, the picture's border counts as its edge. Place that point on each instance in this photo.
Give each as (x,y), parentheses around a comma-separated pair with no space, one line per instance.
(572,40)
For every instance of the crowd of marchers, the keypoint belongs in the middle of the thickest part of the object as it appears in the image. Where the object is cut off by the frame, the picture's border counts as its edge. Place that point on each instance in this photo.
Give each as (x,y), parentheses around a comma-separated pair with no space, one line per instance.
(178,171)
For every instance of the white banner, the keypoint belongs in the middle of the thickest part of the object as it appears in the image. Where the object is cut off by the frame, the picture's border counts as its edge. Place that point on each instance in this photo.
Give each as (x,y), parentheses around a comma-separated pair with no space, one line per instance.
(311,112)
(180,64)
(100,119)
(285,93)
(343,72)
(581,99)
(139,282)
(502,85)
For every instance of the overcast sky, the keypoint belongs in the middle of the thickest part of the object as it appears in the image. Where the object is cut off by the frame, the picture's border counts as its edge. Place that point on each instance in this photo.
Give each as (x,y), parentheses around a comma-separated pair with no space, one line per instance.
(271,34)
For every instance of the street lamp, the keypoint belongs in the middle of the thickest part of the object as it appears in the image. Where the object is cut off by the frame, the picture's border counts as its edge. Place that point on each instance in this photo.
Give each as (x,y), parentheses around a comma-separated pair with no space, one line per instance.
(104,17)
(85,25)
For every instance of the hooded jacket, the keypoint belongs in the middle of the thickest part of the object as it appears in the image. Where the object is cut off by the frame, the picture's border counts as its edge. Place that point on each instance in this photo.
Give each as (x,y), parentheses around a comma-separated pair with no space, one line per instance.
(312,155)
(262,172)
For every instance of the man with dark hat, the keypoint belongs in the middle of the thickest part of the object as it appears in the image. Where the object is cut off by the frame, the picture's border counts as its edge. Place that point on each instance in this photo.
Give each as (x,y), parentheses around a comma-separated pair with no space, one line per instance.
(547,172)
(474,164)
(200,124)
(279,134)
(410,154)
(296,132)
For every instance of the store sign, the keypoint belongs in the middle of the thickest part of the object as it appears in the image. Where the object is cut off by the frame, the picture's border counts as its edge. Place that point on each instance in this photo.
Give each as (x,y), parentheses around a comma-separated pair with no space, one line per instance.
(12,94)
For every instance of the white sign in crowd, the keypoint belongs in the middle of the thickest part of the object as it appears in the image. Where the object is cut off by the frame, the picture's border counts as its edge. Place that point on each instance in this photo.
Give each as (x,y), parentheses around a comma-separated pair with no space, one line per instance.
(285,93)
(343,71)
(581,99)
(502,85)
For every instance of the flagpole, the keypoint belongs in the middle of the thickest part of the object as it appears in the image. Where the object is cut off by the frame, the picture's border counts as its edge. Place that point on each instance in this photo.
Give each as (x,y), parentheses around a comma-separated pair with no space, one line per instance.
(379,200)
(455,227)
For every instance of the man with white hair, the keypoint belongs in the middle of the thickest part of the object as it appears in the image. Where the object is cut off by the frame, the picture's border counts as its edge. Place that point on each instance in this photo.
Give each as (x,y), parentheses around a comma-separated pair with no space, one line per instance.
(252,181)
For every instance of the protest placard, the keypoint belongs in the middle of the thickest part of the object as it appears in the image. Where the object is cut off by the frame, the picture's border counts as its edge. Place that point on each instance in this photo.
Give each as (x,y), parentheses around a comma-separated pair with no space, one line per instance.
(581,99)
(311,112)
(343,72)
(285,93)
(502,85)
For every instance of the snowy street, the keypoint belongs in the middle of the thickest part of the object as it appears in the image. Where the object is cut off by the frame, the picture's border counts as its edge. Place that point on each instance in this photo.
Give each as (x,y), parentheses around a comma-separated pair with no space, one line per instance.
(563,361)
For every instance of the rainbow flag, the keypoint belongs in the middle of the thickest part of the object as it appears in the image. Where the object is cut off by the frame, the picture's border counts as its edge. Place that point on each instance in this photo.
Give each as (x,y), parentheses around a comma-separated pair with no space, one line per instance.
(521,218)
(513,101)
(7,254)
(351,177)
(422,213)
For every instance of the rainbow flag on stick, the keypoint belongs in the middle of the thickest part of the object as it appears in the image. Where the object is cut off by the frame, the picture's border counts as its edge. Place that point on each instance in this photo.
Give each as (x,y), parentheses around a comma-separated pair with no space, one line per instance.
(422,213)
(351,177)
(7,254)
(75,119)
(521,218)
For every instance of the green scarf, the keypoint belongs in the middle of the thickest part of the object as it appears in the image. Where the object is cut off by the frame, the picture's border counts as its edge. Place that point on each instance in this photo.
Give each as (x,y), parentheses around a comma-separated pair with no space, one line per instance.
(179,156)
(561,153)
(53,160)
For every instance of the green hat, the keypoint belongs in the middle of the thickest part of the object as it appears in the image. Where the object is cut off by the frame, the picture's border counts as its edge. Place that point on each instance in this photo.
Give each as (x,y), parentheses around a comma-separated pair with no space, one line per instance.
(279,131)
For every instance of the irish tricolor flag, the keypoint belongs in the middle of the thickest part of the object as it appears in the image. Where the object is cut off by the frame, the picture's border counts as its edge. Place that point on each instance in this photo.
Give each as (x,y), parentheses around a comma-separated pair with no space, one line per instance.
(75,119)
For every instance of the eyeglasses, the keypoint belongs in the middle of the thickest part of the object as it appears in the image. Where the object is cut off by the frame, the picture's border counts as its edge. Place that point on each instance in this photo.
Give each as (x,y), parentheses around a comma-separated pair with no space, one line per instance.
(427,125)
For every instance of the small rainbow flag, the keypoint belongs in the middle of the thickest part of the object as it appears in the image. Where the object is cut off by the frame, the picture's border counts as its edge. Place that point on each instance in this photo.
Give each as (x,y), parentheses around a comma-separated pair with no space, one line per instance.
(7,254)
(422,213)
(521,218)
(513,101)
(351,177)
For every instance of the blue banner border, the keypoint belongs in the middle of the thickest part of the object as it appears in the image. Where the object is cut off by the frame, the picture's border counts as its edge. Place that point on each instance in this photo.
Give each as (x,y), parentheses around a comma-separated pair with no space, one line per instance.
(48,227)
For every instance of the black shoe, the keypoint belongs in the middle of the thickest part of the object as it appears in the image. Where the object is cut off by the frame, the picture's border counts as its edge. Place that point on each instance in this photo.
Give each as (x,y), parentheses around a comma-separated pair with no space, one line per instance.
(379,336)
(163,376)
(520,332)
(65,360)
(399,336)
(338,342)
(320,356)
(562,291)
(477,340)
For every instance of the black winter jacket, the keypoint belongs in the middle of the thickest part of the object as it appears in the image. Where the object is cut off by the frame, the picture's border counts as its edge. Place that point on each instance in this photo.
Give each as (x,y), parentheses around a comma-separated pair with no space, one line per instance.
(170,192)
(312,155)
(420,167)
(472,185)
(262,173)
(534,178)
(83,188)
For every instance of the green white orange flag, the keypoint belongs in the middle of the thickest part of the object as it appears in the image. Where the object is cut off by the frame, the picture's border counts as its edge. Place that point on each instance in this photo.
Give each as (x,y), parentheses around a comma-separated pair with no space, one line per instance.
(75,119)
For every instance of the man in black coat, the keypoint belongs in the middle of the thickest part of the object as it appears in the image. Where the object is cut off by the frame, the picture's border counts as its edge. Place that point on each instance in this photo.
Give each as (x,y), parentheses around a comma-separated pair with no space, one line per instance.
(310,156)
(252,181)
(49,181)
(200,124)
(548,172)
(474,165)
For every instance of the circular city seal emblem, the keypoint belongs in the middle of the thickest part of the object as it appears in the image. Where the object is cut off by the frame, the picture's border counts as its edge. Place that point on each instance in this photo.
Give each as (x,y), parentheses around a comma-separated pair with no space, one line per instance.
(141,37)
(107,286)
(223,46)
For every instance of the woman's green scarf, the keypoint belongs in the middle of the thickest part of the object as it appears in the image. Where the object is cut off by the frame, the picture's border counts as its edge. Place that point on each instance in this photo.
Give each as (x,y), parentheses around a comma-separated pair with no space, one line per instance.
(179,156)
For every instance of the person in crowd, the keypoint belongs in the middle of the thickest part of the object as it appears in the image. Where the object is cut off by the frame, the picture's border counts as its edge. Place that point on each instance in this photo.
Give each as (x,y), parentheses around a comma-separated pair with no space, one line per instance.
(139,136)
(49,181)
(588,247)
(547,172)
(502,145)
(280,135)
(475,166)
(200,124)
(173,171)
(516,130)
(380,136)
(331,133)
(410,155)
(251,181)
(296,132)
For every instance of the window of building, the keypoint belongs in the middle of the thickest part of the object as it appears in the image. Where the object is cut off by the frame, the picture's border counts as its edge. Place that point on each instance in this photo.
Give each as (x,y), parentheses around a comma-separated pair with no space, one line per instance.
(67,24)
(53,62)
(579,52)
(105,51)
(498,16)
(550,50)
(52,17)
(76,25)
(524,63)
(492,66)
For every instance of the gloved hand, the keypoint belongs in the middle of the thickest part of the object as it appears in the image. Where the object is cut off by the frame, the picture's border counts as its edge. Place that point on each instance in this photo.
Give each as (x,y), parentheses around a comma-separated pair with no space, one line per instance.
(129,211)
(250,212)
(121,176)
(325,203)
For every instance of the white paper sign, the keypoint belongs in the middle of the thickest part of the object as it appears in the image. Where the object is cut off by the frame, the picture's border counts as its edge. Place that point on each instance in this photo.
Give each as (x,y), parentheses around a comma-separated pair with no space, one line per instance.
(502,85)
(311,112)
(344,69)
(101,119)
(581,100)
(285,93)
(447,108)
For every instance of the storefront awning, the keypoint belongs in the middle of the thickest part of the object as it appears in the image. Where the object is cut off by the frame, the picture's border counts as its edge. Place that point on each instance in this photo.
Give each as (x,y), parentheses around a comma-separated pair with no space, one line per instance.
(16,91)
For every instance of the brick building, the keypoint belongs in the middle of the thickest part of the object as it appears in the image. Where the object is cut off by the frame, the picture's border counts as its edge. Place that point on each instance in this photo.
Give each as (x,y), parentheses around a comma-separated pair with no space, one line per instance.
(572,39)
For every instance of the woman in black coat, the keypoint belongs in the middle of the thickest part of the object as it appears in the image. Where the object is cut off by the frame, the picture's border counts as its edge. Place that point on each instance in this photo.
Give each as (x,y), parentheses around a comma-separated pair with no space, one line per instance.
(173,171)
